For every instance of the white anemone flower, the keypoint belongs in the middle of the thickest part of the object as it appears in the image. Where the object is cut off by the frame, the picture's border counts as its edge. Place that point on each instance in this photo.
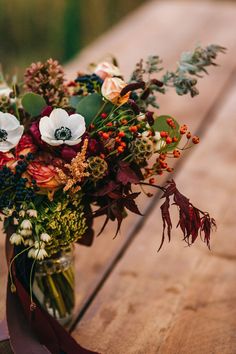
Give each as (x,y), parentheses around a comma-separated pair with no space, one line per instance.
(26,224)
(60,128)
(16,239)
(10,131)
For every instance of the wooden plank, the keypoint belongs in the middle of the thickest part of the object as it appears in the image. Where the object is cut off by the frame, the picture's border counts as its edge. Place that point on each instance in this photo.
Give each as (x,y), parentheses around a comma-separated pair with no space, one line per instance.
(93,264)
(208,307)
(179,301)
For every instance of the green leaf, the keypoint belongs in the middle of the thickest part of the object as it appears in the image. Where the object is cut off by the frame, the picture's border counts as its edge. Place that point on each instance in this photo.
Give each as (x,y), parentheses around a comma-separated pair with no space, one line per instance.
(161,124)
(74,100)
(33,103)
(91,106)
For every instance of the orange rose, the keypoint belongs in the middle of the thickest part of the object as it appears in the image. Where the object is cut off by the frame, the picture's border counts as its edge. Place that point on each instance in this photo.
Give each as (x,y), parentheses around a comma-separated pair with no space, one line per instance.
(7,159)
(105,69)
(111,89)
(25,146)
(46,176)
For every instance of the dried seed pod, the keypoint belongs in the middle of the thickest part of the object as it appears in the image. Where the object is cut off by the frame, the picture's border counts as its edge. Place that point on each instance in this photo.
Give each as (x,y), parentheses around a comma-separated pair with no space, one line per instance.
(97,167)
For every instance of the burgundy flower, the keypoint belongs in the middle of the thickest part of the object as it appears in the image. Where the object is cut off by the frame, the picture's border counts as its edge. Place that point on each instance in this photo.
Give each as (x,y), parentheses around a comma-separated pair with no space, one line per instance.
(46,111)
(67,153)
(35,133)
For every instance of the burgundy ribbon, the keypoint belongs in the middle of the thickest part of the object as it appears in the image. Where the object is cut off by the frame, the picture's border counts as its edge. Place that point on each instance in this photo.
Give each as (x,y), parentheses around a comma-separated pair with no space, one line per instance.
(34,331)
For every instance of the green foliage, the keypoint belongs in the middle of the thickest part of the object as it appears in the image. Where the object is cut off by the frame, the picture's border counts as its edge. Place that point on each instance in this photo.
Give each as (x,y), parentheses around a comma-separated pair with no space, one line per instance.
(33,103)
(191,66)
(63,219)
(161,124)
(90,107)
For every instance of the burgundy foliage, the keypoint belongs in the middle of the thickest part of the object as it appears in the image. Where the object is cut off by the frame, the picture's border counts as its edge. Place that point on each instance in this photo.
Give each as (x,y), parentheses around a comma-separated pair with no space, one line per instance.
(192,221)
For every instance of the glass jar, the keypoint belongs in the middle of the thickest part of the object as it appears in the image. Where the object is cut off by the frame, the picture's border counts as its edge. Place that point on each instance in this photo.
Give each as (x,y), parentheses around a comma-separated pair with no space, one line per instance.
(54,285)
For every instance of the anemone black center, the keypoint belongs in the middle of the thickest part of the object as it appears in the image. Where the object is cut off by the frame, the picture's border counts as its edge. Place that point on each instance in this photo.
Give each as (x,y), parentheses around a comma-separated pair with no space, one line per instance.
(63,133)
(3,135)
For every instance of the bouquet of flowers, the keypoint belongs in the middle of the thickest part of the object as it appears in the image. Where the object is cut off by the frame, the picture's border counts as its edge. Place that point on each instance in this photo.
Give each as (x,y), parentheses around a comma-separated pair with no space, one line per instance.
(73,151)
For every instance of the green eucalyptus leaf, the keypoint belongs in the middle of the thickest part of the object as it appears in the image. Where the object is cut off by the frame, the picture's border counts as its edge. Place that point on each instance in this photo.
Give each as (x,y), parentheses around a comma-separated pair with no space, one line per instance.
(161,124)
(33,103)
(74,101)
(91,106)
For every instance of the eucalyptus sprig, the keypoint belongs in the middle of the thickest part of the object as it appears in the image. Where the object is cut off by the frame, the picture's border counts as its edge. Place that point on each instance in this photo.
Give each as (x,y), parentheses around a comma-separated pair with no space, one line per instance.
(191,66)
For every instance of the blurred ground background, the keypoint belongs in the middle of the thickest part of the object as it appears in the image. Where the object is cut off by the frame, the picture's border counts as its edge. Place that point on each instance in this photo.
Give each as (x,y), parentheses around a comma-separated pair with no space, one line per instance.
(39,29)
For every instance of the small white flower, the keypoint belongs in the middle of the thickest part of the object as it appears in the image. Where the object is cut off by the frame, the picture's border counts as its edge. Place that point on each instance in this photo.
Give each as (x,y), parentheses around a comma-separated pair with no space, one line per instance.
(32,213)
(5,90)
(40,254)
(158,142)
(45,237)
(141,117)
(60,128)
(16,239)
(28,242)
(7,211)
(38,244)
(25,232)
(26,224)
(22,213)
(10,131)
(31,253)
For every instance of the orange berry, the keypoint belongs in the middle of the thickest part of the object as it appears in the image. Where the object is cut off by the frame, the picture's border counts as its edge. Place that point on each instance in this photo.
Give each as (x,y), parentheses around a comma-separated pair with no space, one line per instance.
(102,156)
(121,134)
(124,121)
(176,153)
(183,129)
(133,129)
(169,169)
(105,136)
(109,124)
(117,139)
(195,140)
(175,139)
(120,149)
(188,135)
(123,144)
(163,164)
(162,156)
(163,134)
(168,140)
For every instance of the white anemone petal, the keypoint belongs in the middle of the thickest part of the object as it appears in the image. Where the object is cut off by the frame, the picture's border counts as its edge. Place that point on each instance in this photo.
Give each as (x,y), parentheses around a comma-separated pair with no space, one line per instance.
(59,117)
(46,127)
(8,122)
(52,142)
(14,136)
(72,142)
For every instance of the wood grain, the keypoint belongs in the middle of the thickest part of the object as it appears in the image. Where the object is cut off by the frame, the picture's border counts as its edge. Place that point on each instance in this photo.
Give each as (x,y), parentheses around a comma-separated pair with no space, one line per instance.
(180,300)
(93,264)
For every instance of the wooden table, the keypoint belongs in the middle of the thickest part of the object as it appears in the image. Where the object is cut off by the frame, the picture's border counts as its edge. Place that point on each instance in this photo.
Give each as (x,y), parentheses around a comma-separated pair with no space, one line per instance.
(131,299)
